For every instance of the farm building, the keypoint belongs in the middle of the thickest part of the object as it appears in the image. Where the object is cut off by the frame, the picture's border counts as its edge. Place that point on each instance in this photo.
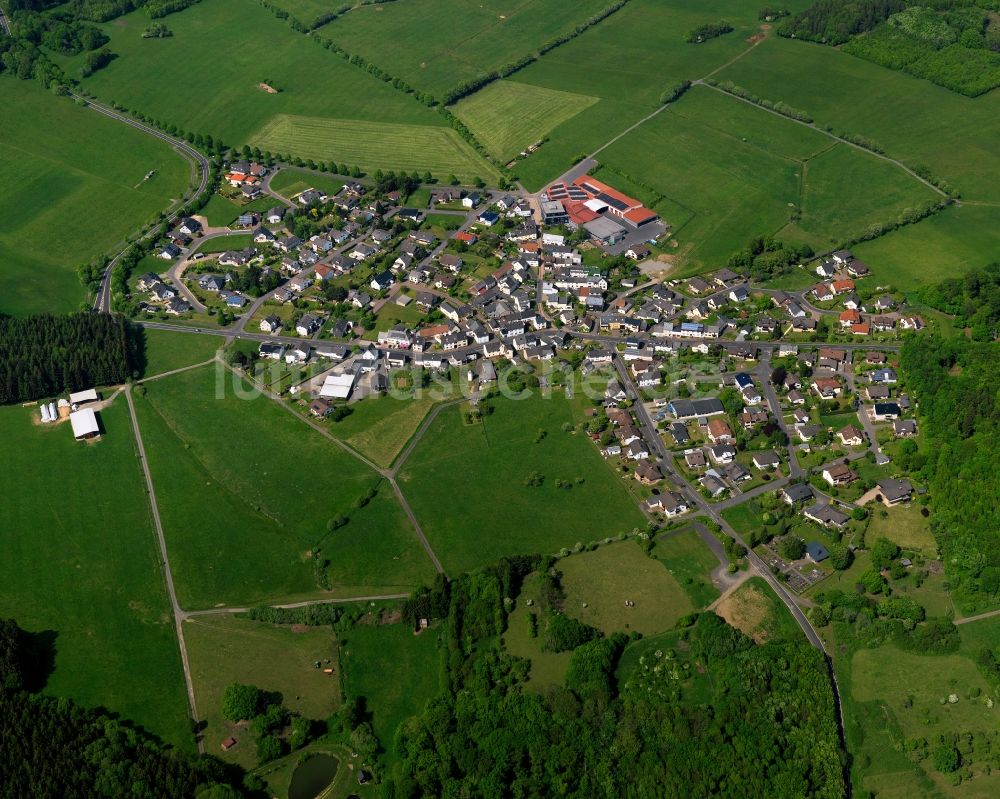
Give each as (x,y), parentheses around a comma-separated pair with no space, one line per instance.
(83,397)
(84,424)
(337,386)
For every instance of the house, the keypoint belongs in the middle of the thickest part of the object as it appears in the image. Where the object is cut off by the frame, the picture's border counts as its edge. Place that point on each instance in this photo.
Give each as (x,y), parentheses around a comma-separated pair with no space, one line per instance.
(647,472)
(842,286)
(270,324)
(857,268)
(381,281)
(638,252)
(876,393)
(822,292)
(683,409)
(169,252)
(862,329)
(885,376)
(274,216)
(308,324)
(849,318)
(471,200)
(839,475)
(722,453)
(797,492)
(176,306)
(739,294)
(450,262)
(827,387)
(695,459)
(679,433)
(911,323)
(320,408)
(736,473)
(904,428)
(850,436)
(816,552)
(719,431)
(488,218)
(765,461)
(271,351)
(895,491)
(713,485)
(213,283)
(637,450)
(189,226)
(826,269)
(300,353)
(825,515)
(842,257)
(337,386)
(669,503)
(885,411)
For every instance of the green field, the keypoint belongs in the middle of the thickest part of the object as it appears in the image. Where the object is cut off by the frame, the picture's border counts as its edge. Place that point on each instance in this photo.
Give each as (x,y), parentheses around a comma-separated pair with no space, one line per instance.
(946,245)
(246,490)
(394,670)
(547,668)
(373,145)
(756,610)
(466,484)
(224,649)
(903,526)
(508,116)
(380,427)
(220,211)
(289,181)
(439,44)
(913,119)
(733,171)
(166,350)
(689,560)
(607,577)
(80,564)
(73,189)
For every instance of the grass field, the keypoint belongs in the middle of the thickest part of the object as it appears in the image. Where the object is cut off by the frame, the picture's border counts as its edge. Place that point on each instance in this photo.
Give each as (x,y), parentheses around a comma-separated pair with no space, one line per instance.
(73,188)
(394,670)
(547,668)
(221,211)
(691,562)
(508,116)
(466,483)
(245,491)
(80,560)
(903,526)
(289,181)
(224,649)
(734,171)
(607,577)
(235,241)
(913,119)
(439,44)
(166,350)
(754,609)
(380,427)
(944,246)
(373,145)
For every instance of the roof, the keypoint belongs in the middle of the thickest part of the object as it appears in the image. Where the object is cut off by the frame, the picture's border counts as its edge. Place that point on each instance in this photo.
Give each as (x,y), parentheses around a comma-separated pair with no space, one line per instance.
(88,395)
(84,422)
(798,492)
(337,386)
(894,489)
(816,551)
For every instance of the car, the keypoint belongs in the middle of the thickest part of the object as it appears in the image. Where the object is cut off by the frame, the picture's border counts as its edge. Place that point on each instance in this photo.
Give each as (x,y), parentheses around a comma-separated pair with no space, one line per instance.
(197,256)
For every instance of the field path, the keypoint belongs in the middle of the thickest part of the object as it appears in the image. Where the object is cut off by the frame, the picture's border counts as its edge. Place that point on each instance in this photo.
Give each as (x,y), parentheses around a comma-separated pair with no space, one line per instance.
(347,600)
(988,615)
(167,573)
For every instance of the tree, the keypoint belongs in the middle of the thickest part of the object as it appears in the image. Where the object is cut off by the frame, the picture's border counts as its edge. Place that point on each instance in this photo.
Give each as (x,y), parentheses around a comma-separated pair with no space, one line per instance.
(778,375)
(873,582)
(841,557)
(269,747)
(883,553)
(792,547)
(363,741)
(241,702)
(947,759)
(301,731)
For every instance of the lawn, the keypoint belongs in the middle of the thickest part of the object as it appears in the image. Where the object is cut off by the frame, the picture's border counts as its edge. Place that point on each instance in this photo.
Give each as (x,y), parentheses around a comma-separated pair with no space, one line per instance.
(947,244)
(74,188)
(394,670)
(691,562)
(756,610)
(246,490)
(166,350)
(458,474)
(224,649)
(380,427)
(905,526)
(508,116)
(235,241)
(913,119)
(600,582)
(220,211)
(373,145)
(289,181)
(439,44)
(80,562)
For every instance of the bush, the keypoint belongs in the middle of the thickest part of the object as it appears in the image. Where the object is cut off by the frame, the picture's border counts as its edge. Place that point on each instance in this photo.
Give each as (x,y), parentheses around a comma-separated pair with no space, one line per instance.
(240,702)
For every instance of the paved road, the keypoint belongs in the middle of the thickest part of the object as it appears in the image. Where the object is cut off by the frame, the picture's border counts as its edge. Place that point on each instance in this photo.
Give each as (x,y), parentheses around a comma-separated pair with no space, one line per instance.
(165,557)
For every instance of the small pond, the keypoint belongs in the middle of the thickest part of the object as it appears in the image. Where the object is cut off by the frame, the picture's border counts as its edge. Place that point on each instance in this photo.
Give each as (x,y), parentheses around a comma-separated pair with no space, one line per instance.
(312,777)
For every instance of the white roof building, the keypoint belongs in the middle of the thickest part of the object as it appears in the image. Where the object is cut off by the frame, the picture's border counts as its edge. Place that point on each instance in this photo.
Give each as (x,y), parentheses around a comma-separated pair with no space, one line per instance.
(337,386)
(79,397)
(84,424)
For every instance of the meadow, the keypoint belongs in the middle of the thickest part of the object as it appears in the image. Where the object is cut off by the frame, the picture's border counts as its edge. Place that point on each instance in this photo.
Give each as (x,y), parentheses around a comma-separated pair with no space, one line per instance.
(73,189)
(220,211)
(547,668)
(224,649)
(691,562)
(374,145)
(246,491)
(80,563)
(508,116)
(756,610)
(394,670)
(289,181)
(904,526)
(166,350)
(380,427)
(439,44)
(600,582)
(467,484)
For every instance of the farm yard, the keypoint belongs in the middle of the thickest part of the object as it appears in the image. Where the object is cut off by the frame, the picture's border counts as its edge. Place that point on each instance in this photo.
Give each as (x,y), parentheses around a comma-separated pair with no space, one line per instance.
(81,569)
(64,165)
(230,471)
(458,470)
(374,145)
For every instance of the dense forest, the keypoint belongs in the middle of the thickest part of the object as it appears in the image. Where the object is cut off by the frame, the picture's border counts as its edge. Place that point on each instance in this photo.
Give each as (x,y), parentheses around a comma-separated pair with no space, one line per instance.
(54,748)
(836,21)
(957,385)
(703,712)
(974,301)
(41,356)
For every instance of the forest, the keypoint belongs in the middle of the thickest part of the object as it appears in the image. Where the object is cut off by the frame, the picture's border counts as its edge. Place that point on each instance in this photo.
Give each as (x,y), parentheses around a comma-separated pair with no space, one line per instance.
(686,721)
(974,301)
(41,356)
(55,749)
(957,385)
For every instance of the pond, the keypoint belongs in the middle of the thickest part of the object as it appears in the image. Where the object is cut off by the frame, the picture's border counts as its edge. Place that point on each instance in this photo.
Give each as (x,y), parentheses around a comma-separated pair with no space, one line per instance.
(312,777)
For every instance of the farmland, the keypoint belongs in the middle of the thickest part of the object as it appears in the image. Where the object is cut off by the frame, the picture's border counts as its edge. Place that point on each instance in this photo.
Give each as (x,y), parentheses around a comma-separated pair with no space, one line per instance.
(439,44)
(80,565)
(467,485)
(599,583)
(64,165)
(166,350)
(229,472)
(224,649)
(373,145)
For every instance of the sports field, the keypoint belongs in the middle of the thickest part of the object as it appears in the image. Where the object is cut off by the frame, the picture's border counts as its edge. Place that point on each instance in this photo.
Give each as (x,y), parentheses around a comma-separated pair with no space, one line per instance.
(246,491)
(466,485)
(73,188)
(373,145)
(277,659)
(508,116)
(439,44)
(80,565)
(599,583)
